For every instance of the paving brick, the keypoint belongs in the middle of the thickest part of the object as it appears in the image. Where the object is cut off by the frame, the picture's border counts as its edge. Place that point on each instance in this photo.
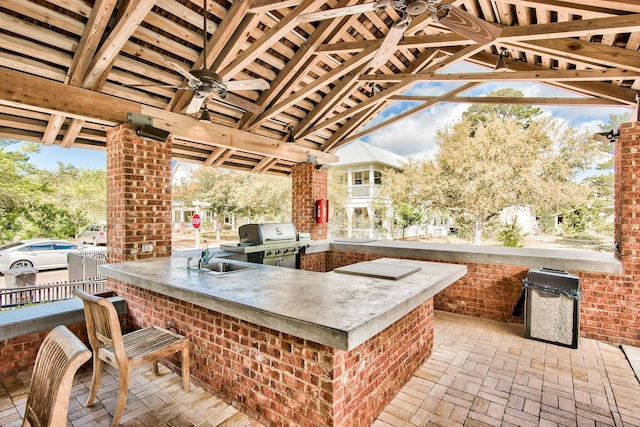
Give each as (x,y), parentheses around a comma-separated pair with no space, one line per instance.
(604,393)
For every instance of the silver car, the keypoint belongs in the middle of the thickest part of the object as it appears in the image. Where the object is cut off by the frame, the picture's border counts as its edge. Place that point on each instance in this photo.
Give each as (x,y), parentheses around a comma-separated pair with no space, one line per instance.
(42,254)
(95,234)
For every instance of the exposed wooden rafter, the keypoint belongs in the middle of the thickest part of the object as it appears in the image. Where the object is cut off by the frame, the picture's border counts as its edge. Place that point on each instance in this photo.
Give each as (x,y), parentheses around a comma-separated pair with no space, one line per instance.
(70,70)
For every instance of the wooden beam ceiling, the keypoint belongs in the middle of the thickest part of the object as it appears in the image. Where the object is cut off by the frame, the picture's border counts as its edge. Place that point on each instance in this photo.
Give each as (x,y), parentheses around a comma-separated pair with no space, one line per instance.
(70,70)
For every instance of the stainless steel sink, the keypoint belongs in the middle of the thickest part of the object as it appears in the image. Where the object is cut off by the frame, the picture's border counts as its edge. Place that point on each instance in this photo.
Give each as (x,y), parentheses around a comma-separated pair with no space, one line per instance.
(219,267)
(225,267)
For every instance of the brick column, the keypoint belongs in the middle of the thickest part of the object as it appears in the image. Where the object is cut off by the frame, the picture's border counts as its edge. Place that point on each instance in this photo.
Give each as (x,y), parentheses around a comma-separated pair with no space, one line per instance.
(308,184)
(138,196)
(627,198)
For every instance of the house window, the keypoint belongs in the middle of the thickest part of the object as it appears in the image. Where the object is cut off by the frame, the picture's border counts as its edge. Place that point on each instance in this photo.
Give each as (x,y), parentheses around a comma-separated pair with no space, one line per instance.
(377,177)
(357,178)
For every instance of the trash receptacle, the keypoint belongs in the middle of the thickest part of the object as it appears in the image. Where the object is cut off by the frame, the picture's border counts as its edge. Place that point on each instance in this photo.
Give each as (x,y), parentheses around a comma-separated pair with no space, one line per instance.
(552,306)
(24,276)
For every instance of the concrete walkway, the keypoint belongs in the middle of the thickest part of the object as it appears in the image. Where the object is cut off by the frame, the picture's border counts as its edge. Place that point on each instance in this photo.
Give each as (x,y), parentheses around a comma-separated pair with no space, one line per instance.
(481,373)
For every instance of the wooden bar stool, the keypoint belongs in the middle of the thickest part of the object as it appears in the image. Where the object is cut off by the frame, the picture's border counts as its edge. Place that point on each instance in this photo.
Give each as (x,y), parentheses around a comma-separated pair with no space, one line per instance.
(126,352)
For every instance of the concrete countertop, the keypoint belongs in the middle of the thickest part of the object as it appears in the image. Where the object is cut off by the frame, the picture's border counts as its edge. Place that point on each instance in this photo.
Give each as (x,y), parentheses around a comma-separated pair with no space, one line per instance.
(560,259)
(335,309)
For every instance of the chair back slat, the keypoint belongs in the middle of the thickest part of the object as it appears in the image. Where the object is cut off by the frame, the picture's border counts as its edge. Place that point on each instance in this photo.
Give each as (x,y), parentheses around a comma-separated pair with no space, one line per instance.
(59,357)
(103,324)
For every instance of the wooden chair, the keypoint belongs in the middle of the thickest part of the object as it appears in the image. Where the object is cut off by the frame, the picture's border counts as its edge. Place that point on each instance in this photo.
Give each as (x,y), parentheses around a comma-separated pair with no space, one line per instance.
(58,359)
(126,352)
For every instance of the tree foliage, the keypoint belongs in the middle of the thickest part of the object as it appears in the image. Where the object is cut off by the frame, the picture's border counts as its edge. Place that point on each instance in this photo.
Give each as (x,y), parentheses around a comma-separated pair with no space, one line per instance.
(42,203)
(478,114)
(259,198)
(82,193)
(496,157)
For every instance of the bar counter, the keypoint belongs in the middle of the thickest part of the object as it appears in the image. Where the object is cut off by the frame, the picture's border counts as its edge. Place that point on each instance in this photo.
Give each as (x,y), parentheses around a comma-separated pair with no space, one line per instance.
(294,347)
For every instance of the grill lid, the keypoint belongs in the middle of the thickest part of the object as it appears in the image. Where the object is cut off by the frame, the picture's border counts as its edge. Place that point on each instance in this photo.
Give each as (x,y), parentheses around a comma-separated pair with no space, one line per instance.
(264,234)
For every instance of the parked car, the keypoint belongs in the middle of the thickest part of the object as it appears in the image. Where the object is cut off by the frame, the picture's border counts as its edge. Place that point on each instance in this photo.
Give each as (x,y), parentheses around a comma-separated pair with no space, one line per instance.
(42,254)
(95,234)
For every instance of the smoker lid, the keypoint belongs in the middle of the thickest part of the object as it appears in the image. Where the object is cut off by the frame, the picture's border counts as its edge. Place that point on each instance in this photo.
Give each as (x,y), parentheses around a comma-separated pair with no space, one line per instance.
(260,234)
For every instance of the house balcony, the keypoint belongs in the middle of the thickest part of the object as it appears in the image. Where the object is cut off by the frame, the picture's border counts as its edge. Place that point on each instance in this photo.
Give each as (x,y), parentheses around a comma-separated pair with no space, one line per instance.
(365,191)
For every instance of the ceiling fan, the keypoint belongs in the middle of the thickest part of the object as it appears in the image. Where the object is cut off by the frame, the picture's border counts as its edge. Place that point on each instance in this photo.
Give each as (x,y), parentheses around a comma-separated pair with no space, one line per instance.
(449,16)
(208,84)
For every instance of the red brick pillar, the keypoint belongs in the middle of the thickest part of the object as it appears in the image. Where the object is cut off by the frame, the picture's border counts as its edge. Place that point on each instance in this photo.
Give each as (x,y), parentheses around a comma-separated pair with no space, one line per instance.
(138,196)
(308,184)
(627,198)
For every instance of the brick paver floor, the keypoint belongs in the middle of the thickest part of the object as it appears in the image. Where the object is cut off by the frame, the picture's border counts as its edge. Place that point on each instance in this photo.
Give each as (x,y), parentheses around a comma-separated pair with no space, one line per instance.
(484,373)
(481,373)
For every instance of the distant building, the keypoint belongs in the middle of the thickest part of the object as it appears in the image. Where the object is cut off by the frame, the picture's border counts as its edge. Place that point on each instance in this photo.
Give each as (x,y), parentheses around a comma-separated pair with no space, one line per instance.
(359,172)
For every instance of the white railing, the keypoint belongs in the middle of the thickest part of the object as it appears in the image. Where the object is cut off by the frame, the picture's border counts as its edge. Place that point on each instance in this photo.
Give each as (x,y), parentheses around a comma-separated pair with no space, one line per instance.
(84,265)
(360,191)
(24,295)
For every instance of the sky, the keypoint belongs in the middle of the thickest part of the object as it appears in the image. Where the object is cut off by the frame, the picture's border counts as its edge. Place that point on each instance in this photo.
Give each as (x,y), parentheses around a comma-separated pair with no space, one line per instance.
(414,136)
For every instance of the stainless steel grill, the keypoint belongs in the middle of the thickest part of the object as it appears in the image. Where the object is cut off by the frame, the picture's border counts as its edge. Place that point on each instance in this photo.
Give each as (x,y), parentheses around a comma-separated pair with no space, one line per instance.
(270,243)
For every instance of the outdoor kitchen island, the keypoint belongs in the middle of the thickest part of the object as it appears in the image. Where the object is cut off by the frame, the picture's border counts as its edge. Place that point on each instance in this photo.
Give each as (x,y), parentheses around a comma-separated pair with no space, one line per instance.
(294,347)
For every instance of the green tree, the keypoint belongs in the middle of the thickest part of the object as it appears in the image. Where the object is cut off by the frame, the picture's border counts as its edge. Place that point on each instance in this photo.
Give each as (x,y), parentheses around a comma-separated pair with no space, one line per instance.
(505,164)
(18,188)
(49,220)
(258,197)
(407,215)
(264,198)
(82,193)
(510,234)
(478,114)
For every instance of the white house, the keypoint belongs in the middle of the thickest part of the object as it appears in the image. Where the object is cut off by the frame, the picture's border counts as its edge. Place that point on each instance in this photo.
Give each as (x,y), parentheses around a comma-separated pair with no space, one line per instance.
(360,169)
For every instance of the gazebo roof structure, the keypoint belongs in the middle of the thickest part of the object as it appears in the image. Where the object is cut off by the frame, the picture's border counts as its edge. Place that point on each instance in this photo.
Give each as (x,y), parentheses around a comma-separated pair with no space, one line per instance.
(72,69)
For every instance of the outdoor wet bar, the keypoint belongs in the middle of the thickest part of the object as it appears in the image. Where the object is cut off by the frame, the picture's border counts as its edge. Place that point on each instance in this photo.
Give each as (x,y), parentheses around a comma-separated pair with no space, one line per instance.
(294,347)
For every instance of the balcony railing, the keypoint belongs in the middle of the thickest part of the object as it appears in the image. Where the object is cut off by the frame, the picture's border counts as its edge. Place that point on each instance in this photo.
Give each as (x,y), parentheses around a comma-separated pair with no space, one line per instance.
(365,191)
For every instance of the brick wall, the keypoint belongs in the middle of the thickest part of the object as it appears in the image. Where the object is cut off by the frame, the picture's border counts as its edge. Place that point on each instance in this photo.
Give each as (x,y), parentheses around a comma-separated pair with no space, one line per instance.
(283,380)
(18,354)
(609,310)
(308,184)
(138,195)
(627,197)
(315,262)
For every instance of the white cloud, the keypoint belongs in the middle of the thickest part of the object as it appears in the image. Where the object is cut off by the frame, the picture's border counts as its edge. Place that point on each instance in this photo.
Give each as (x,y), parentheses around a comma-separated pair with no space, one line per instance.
(415,135)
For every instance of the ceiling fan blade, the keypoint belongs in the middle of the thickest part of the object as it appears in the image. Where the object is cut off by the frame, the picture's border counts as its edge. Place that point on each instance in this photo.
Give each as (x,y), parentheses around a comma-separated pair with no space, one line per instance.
(343,11)
(193,80)
(152,85)
(389,43)
(195,104)
(237,101)
(466,24)
(250,84)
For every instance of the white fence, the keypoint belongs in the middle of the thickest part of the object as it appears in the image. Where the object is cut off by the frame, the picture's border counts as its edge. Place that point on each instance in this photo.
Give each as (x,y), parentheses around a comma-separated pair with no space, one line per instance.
(83,274)
(15,297)
(84,265)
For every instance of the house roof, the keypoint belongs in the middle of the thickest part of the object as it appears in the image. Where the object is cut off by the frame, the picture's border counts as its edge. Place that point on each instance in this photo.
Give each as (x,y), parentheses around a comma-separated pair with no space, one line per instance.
(71,70)
(359,152)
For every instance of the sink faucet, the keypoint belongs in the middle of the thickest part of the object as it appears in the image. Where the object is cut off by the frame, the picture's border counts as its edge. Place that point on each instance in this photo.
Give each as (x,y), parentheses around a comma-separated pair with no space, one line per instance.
(205,256)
